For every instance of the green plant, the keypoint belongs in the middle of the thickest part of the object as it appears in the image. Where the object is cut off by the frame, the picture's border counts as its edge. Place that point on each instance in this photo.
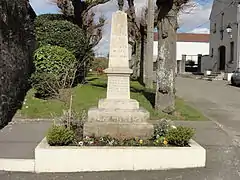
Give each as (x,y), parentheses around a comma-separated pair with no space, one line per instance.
(59,135)
(179,136)
(45,18)
(64,34)
(161,128)
(55,69)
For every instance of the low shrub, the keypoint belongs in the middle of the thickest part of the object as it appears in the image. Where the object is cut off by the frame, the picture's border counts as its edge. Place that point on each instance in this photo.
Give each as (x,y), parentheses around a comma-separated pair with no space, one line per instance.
(74,121)
(55,69)
(162,127)
(59,135)
(179,136)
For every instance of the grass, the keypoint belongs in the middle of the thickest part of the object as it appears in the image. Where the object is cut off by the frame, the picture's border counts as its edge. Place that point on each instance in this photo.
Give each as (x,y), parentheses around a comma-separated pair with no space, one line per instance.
(87,95)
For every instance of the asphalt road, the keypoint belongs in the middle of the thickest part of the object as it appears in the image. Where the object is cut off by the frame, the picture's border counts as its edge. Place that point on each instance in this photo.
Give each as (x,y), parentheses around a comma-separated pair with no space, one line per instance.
(216,99)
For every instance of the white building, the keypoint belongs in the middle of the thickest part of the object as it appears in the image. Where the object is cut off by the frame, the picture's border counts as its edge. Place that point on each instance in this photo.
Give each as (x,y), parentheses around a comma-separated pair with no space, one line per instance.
(223,45)
(187,44)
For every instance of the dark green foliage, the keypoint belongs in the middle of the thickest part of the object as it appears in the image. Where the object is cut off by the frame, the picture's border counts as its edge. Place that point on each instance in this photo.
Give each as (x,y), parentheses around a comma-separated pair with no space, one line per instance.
(64,34)
(60,136)
(54,69)
(44,18)
(179,136)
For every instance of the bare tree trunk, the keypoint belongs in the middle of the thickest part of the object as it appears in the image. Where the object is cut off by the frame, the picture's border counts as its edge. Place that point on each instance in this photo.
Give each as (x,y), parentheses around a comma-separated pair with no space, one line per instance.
(136,59)
(149,46)
(166,62)
(142,55)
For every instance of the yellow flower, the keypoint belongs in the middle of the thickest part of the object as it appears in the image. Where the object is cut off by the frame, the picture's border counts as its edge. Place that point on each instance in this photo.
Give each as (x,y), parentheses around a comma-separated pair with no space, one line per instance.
(140,141)
(165,142)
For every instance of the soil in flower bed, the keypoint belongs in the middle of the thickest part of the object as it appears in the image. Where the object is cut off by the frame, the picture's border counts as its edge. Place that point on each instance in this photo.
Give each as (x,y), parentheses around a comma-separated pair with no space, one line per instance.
(109,141)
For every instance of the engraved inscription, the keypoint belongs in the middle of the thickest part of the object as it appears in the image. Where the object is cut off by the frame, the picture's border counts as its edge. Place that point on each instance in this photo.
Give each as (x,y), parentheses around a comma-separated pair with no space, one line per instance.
(118,86)
(119,119)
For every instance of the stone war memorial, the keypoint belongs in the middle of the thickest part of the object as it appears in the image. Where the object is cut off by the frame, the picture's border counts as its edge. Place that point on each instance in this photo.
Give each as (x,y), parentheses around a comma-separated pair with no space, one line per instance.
(118,115)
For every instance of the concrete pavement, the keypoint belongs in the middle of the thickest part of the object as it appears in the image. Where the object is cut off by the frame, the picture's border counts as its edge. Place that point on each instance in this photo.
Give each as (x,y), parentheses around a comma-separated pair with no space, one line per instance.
(218,100)
(19,139)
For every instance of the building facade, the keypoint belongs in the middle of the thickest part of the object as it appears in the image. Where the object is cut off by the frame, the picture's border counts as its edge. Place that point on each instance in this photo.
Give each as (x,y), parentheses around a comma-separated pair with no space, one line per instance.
(189,44)
(223,43)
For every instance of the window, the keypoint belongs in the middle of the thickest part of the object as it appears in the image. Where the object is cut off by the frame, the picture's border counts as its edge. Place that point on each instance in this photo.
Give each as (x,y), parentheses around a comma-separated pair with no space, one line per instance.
(231,52)
(222,29)
(212,51)
(214,28)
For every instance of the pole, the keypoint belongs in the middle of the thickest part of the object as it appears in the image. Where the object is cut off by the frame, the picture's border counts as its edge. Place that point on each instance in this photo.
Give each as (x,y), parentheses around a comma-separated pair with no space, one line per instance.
(238,38)
(149,48)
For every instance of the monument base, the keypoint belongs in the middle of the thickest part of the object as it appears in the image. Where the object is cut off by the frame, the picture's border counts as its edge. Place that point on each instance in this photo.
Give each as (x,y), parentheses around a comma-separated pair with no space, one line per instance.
(118,123)
(118,115)
(118,104)
(118,130)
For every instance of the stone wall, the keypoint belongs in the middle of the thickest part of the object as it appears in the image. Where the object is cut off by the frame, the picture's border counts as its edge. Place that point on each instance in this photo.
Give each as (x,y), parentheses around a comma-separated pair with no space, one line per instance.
(17,43)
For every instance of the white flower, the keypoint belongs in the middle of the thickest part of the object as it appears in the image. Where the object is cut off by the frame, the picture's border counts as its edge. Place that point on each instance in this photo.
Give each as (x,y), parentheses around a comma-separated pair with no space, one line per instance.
(91,142)
(80,143)
(111,142)
(26,107)
(174,127)
(86,137)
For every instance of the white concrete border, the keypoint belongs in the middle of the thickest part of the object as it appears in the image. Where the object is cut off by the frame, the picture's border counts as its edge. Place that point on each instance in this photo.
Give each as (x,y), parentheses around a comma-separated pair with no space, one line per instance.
(79,159)
(20,165)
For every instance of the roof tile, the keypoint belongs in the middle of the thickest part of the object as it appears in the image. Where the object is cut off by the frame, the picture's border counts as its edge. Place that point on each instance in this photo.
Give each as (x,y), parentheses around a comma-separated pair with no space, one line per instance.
(188,37)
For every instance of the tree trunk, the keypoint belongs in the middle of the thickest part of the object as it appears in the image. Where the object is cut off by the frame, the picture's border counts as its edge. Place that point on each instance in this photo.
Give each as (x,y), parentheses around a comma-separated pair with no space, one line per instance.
(149,46)
(136,59)
(142,55)
(166,62)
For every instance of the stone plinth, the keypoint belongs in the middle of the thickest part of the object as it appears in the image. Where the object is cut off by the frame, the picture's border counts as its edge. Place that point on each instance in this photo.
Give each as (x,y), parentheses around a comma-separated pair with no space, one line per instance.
(118,115)
(119,130)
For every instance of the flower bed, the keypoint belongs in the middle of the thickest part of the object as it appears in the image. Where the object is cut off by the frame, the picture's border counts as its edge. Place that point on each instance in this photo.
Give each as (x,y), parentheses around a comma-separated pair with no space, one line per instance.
(165,135)
(67,150)
(112,158)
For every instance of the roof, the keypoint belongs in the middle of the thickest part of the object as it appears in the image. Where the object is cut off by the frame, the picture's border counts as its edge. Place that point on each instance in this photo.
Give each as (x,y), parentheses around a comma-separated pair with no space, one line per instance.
(188,37)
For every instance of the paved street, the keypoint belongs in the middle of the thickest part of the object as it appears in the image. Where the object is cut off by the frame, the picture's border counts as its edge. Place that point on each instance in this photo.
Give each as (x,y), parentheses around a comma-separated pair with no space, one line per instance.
(216,99)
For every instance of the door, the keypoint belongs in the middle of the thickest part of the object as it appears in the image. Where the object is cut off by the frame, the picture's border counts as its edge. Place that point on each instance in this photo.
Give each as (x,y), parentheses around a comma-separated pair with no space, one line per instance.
(222,58)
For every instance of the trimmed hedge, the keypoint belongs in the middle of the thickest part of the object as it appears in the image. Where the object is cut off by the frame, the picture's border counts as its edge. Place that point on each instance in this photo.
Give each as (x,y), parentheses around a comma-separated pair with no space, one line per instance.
(53,65)
(64,34)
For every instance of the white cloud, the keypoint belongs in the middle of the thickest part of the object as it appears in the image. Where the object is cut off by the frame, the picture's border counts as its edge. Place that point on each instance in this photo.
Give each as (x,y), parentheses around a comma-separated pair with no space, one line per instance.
(197,17)
(201,30)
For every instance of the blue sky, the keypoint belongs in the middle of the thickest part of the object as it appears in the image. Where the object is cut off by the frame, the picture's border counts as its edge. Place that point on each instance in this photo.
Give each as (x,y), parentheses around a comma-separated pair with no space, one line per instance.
(196,20)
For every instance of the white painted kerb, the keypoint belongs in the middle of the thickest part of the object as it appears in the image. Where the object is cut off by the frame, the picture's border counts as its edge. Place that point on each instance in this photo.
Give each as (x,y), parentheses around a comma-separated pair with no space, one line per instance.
(20,165)
(78,159)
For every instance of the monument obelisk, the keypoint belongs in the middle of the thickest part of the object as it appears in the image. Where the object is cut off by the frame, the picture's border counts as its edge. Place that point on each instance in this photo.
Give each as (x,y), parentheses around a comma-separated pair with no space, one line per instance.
(118,115)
